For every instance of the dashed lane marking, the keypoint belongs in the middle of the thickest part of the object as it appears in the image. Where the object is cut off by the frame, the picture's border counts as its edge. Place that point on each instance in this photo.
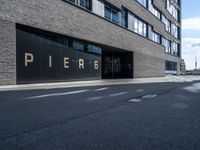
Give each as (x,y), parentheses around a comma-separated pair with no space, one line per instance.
(135,100)
(140,90)
(57,94)
(95,98)
(117,94)
(101,89)
(149,96)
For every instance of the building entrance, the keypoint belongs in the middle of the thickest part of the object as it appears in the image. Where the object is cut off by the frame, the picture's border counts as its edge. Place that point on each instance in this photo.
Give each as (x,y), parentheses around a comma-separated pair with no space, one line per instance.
(117,64)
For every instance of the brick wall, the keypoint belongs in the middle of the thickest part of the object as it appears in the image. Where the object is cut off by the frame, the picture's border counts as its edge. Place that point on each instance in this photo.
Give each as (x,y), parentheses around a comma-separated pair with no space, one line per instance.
(61,17)
(7,53)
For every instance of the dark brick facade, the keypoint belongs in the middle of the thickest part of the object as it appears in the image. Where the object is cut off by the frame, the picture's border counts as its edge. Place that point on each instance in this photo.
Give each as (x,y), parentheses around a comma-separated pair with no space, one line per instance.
(61,17)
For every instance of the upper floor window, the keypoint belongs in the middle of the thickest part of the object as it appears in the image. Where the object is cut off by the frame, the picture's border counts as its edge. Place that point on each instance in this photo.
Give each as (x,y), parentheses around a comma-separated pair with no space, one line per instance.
(172,9)
(98,7)
(94,49)
(156,37)
(111,14)
(175,30)
(137,25)
(78,45)
(167,44)
(83,3)
(154,11)
(124,18)
(167,24)
(174,49)
(143,2)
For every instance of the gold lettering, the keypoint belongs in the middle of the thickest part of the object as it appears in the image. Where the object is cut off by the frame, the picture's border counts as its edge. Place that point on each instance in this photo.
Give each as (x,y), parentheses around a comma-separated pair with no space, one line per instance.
(50,61)
(81,64)
(96,64)
(66,62)
(28,58)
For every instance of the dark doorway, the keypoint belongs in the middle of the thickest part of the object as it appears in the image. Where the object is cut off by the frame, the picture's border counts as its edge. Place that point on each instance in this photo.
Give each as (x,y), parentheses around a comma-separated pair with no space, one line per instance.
(117,64)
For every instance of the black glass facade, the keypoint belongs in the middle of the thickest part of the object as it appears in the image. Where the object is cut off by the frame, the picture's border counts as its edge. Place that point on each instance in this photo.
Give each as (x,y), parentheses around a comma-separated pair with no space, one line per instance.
(43,56)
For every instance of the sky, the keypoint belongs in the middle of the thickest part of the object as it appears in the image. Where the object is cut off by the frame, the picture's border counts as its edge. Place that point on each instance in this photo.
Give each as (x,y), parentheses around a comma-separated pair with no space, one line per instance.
(191,32)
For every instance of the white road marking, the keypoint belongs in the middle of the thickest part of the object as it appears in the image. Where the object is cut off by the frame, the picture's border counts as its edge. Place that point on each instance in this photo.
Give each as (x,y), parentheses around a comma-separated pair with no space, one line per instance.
(140,90)
(101,89)
(149,96)
(57,94)
(95,98)
(188,80)
(135,100)
(195,88)
(117,94)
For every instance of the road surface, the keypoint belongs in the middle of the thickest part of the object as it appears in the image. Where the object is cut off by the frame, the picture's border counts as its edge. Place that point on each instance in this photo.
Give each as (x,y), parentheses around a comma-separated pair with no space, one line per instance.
(146,116)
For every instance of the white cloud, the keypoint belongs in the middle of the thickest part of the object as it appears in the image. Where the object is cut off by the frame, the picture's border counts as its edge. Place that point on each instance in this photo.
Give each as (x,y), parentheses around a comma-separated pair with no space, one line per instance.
(191,23)
(190,50)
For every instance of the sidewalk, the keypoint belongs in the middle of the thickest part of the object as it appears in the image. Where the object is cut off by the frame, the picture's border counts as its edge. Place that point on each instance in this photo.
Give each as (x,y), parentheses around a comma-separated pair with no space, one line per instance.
(99,83)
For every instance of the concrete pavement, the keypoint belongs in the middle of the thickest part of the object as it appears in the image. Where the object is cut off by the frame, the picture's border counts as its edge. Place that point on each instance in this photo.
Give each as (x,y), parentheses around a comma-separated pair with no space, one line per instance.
(99,83)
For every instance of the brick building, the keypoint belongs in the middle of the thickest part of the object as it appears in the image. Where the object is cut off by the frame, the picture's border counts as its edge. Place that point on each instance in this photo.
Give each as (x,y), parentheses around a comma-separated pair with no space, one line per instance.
(62,40)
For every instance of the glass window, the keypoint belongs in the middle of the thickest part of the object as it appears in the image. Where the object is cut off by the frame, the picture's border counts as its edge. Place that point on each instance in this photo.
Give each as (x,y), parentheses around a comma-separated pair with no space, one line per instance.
(111,14)
(73,1)
(107,13)
(140,31)
(85,3)
(131,21)
(167,24)
(65,42)
(137,25)
(145,30)
(94,49)
(78,45)
(167,45)
(98,7)
(174,30)
(124,18)
(156,37)
(174,50)
(172,9)
(115,17)
(154,11)
(143,2)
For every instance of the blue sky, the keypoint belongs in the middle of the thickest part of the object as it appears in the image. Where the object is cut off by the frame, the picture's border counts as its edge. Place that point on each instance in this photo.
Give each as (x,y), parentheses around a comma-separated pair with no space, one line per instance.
(191,32)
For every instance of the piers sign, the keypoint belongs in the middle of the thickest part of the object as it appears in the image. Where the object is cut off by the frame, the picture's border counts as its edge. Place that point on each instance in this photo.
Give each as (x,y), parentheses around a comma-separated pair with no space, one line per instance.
(43,59)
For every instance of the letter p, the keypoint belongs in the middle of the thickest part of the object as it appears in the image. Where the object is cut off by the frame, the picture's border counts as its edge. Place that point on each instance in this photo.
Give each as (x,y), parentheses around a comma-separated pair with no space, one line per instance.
(28,58)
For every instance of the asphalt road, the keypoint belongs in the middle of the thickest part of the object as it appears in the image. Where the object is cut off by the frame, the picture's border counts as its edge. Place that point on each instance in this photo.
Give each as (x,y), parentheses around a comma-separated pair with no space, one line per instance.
(156,116)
